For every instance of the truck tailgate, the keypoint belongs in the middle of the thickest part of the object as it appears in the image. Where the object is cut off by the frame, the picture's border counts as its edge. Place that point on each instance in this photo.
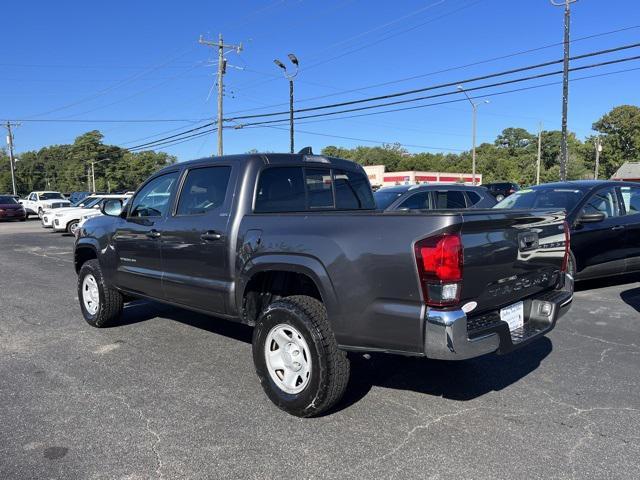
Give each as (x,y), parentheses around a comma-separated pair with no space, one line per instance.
(510,255)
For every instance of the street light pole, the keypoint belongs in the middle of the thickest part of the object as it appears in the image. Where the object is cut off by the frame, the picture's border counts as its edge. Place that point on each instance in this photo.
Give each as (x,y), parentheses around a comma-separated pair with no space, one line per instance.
(598,150)
(290,76)
(474,122)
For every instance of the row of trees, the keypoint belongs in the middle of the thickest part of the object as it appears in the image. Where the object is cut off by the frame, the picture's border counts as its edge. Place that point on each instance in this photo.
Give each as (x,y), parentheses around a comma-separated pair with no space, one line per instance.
(513,154)
(512,157)
(65,167)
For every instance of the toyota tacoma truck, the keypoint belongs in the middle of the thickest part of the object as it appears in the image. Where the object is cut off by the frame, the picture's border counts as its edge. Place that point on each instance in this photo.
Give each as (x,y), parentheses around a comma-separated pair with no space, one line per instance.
(294,246)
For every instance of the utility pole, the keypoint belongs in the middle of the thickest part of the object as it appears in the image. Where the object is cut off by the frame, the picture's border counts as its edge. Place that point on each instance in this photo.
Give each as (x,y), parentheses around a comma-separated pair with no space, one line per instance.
(222,69)
(12,160)
(598,150)
(564,156)
(93,177)
(290,76)
(474,107)
(539,154)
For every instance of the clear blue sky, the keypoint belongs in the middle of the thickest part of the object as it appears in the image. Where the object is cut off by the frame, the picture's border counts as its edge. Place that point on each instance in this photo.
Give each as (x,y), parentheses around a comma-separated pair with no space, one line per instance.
(141,60)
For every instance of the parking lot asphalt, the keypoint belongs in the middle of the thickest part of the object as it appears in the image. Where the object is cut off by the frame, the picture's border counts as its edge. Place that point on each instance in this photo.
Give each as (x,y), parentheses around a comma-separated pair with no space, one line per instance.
(173,394)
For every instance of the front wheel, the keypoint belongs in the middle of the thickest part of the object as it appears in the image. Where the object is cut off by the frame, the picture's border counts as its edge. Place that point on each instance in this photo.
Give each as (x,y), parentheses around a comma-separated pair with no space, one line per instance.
(499,198)
(101,305)
(72,228)
(297,358)
(40,213)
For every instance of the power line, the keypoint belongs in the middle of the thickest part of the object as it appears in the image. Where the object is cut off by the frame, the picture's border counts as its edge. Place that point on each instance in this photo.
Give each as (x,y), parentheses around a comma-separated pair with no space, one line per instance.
(445,102)
(377,41)
(178,137)
(445,70)
(176,141)
(111,120)
(438,86)
(454,92)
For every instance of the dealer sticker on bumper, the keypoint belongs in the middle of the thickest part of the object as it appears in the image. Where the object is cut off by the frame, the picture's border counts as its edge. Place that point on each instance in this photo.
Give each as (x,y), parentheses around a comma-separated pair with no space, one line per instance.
(513,315)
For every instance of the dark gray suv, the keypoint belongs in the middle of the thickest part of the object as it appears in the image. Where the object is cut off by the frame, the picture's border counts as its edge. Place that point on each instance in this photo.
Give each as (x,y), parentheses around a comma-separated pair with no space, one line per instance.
(433,197)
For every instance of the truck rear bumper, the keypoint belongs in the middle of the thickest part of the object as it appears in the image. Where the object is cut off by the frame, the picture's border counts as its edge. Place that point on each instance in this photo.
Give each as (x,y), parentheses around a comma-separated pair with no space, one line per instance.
(452,335)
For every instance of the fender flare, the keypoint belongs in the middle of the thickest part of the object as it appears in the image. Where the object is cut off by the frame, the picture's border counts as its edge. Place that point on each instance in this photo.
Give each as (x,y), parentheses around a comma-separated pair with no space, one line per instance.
(85,244)
(304,264)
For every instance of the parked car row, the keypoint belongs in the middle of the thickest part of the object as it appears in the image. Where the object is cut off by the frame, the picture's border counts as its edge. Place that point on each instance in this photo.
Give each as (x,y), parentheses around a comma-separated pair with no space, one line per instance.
(68,219)
(299,247)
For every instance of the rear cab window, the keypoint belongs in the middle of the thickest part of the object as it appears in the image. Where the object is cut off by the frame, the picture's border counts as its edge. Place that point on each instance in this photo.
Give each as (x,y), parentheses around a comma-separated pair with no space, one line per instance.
(298,189)
(204,189)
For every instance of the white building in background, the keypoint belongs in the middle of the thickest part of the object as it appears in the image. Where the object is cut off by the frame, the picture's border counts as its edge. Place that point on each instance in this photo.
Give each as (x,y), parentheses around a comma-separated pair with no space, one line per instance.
(380,178)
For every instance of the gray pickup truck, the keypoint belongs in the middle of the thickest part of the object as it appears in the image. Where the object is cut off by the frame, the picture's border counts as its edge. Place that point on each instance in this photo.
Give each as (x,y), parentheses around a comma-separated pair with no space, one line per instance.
(294,245)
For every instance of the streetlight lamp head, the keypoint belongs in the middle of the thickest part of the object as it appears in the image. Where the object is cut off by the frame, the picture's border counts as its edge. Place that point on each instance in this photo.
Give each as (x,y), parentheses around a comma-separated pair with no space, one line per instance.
(460,87)
(486,101)
(293,59)
(280,64)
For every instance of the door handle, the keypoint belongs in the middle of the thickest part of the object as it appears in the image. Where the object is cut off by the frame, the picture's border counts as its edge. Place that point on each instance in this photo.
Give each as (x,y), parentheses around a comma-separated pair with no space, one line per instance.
(617,227)
(210,236)
(153,234)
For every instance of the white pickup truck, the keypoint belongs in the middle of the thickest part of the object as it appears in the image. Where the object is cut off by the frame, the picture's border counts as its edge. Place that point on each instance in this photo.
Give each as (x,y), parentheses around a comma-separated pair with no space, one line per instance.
(37,202)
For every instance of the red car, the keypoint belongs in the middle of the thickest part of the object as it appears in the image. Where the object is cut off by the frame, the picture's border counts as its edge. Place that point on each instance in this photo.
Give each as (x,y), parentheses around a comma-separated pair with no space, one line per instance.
(10,209)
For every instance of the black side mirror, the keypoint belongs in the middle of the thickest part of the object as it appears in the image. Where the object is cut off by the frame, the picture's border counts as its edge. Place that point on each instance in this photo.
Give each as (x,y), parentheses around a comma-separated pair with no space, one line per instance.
(591,217)
(112,207)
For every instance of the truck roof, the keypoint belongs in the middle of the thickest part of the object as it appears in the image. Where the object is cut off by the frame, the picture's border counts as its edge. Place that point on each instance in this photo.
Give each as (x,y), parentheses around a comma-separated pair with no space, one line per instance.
(275,159)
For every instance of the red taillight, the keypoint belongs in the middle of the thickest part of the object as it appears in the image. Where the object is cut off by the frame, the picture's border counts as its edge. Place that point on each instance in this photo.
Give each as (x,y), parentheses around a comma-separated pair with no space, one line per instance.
(567,246)
(439,261)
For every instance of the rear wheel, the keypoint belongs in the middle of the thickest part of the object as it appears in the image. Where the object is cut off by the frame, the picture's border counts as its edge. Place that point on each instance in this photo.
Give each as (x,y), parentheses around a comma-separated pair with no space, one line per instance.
(101,305)
(297,358)
(499,197)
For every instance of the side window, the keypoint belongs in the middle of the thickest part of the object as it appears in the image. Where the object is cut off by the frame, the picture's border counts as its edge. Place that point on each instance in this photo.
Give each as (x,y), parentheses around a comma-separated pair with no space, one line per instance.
(280,189)
(605,201)
(631,199)
(418,201)
(473,197)
(352,191)
(204,189)
(319,187)
(450,199)
(153,199)
(33,197)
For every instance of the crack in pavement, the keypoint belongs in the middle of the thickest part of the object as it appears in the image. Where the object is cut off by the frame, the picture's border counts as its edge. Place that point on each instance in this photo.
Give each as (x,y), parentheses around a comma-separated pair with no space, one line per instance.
(149,430)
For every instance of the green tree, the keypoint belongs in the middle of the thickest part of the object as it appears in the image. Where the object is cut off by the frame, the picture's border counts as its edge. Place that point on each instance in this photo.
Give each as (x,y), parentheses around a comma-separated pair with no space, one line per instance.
(620,133)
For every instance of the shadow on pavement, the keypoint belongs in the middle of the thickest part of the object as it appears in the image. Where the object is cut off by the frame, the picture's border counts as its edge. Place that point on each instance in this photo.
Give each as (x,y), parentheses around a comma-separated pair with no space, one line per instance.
(462,381)
(632,298)
(607,282)
(143,310)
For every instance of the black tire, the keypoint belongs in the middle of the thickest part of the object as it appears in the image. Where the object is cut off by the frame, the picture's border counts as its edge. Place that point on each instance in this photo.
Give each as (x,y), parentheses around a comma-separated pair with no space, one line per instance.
(71,225)
(40,213)
(330,367)
(110,300)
